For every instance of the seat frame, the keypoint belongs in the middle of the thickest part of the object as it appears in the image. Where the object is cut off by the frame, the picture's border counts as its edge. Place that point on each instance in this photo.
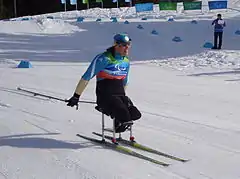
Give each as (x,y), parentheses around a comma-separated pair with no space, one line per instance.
(113,131)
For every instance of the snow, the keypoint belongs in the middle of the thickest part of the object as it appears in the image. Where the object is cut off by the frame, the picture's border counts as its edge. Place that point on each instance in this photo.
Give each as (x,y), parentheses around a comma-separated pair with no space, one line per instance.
(39,26)
(188,95)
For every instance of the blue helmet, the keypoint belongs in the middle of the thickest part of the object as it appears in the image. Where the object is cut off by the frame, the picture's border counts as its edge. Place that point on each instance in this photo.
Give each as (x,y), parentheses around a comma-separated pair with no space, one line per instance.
(121,38)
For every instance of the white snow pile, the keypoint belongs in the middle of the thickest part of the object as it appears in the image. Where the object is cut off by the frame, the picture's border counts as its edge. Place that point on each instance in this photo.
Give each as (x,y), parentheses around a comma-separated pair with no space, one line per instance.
(206,60)
(8,63)
(40,26)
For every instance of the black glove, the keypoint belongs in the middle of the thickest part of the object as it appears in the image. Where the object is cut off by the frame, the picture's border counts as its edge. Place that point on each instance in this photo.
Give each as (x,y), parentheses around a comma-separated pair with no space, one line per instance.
(73,101)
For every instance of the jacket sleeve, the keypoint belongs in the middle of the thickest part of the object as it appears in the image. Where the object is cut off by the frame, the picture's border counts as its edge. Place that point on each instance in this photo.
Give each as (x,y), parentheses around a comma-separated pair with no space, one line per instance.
(213,22)
(98,64)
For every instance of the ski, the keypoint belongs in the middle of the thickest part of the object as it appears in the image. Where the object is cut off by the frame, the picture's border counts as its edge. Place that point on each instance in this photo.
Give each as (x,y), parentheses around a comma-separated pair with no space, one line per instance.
(136,145)
(124,150)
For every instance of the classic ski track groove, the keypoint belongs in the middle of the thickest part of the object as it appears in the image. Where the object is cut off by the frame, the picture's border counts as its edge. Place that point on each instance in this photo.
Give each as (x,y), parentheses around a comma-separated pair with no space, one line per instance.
(3,174)
(186,121)
(181,135)
(45,130)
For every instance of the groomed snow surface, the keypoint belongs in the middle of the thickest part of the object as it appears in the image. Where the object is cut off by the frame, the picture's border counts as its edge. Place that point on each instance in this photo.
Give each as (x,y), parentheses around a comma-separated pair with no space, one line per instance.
(188,95)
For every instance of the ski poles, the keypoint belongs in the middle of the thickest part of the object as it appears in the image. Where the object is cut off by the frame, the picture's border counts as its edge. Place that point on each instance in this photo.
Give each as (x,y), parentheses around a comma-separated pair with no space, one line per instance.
(51,97)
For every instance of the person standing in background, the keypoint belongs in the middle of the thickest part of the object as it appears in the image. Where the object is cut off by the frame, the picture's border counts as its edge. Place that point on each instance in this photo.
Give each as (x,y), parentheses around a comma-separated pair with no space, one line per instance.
(219,24)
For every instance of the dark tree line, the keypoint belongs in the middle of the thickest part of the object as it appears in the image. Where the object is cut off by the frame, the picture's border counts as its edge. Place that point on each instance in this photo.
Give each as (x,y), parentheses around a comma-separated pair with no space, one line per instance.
(34,7)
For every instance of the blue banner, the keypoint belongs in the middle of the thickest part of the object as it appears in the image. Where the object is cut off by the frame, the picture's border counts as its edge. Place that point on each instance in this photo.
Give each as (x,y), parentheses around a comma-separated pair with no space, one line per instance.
(127,0)
(217,5)
(114,1)
(63,1)
(144,7)
(73,2)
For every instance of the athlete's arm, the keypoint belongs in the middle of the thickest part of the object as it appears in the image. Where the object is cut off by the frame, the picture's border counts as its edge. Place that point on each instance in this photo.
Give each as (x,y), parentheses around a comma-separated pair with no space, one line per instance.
(97,64)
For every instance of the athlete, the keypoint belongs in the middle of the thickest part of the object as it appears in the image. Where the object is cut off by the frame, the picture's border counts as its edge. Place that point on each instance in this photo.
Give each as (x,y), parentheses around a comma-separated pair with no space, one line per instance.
(111,69)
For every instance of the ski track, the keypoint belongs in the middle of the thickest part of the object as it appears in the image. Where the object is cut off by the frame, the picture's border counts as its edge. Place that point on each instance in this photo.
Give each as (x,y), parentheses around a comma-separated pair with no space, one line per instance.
(71,164)
(149,126)
(26,111)
(205,176)
(3,174)
(181,135)
(39,127)
(74,165)
(35,114)
(68,163)
(189,122)
(4,105)
(64,162)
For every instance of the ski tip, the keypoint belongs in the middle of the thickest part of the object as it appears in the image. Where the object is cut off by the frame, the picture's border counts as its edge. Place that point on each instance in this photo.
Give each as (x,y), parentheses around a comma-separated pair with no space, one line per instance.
(79,135)
(97,134)
(182,160)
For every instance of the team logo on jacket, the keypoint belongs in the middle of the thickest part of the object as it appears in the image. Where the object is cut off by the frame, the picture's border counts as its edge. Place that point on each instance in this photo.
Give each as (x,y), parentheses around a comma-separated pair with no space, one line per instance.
(121,67)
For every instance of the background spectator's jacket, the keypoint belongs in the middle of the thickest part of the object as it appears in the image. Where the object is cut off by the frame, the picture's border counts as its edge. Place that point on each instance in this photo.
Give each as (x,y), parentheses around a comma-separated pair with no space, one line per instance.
(219,24)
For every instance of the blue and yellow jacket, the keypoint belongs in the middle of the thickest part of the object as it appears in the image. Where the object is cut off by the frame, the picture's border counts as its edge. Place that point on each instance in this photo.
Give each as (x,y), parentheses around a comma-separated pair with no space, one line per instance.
(112,73)
(108,66)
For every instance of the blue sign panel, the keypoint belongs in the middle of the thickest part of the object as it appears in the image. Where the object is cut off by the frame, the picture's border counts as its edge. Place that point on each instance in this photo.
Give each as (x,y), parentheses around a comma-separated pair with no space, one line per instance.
(73,2)
(217,5)
(144,7)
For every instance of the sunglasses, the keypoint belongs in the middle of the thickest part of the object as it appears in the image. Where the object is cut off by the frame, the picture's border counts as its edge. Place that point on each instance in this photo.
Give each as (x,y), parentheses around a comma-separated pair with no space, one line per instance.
(125,44)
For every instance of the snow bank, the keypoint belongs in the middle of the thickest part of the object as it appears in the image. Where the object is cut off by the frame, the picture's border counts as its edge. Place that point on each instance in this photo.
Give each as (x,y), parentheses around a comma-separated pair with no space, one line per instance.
(40,26)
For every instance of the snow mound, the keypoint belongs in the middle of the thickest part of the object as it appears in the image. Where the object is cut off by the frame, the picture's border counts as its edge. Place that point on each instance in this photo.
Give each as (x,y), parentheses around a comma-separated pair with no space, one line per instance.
(40,26)
(57,26)
(7,63)
(225,59)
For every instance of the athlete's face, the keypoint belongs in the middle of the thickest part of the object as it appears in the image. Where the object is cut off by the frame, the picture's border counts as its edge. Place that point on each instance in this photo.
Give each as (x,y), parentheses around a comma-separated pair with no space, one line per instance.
(123,48)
